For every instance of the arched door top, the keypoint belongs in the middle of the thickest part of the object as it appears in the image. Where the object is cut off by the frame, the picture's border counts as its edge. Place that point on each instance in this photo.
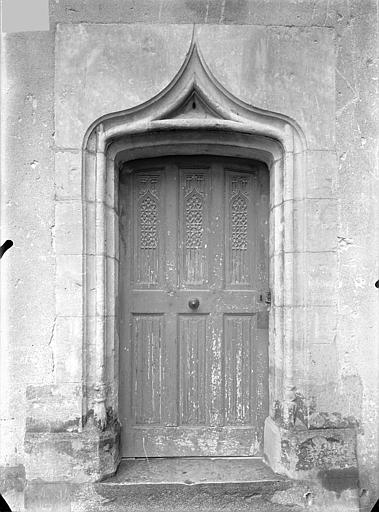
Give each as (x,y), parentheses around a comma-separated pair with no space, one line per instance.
(196,100)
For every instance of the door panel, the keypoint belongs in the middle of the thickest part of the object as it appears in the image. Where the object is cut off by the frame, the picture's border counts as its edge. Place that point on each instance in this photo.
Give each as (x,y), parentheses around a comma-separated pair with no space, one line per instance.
(239,390)
(192,333)
(193,232)
(147,241)
(193,381)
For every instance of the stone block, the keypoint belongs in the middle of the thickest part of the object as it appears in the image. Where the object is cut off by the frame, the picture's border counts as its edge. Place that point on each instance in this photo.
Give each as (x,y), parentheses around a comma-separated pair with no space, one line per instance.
(90,177)
(68,175)
(89,234)
(111,184)
(320,324)
(321,225)
(11,434)
(334,491)
(321,278)
(276,229)
(289,191)
(91,283)
(69,285)
(321,178)
(68,349)
(68,227)
(91,361)
(357,273)
(272,445)
(48,497)
(74,457)
(294,226)
(293,284)
(292,221)
(112,232)
(323,364)
(314,224)
(276,183)
(276,269)
(32,362)
(111,349)
(303,454)
(12,478)
(300,175)
(112,267)
(54,408)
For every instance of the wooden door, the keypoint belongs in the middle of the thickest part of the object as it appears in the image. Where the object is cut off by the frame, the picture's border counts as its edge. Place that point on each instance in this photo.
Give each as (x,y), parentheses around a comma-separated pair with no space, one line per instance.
(193,380)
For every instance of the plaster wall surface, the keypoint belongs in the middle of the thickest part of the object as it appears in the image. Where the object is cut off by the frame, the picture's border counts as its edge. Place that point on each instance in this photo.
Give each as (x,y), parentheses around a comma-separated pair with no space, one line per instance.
(311,61)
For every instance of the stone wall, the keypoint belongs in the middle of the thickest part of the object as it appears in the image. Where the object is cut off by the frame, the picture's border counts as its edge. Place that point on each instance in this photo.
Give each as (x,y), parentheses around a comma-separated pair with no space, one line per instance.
(311,61)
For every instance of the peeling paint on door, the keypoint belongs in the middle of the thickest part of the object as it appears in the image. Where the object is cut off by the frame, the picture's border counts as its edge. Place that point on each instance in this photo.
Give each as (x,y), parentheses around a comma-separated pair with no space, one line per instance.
(194,266)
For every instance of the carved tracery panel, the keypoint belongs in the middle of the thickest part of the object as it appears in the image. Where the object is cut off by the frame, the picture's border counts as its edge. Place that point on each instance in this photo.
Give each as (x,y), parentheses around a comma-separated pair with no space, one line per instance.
(147,211)
(194,210)
(239,195)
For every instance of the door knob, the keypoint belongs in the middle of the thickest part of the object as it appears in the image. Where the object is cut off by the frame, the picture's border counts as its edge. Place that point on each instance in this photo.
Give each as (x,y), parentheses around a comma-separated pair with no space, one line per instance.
(194,303)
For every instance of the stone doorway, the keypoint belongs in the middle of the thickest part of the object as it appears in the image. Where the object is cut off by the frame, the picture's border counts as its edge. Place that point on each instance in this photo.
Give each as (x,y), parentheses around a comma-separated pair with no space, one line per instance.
(193,306)
(192,116)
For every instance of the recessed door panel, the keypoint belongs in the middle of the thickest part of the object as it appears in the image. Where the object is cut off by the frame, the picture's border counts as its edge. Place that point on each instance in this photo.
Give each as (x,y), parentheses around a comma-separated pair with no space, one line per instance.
(193,322)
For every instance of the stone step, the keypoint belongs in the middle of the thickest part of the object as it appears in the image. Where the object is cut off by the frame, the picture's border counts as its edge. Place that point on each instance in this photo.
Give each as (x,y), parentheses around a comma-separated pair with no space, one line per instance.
(193,483)
(192,470)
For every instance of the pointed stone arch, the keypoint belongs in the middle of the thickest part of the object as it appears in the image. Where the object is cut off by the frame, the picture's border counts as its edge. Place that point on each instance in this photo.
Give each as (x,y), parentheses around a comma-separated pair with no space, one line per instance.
(195,84)
(193,114)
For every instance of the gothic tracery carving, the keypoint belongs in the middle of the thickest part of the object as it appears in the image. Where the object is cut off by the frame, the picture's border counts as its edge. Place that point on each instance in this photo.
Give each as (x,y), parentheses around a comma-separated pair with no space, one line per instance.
(148,212)
(239,202)
(149,221)
(194,207)
(239,223)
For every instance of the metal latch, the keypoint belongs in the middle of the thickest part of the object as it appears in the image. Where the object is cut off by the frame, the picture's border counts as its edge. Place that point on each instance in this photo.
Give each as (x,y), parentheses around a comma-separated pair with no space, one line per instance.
(267,299)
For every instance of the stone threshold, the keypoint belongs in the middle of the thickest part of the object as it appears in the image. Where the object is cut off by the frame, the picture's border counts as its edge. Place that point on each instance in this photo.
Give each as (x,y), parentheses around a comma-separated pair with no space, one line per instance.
(191,471)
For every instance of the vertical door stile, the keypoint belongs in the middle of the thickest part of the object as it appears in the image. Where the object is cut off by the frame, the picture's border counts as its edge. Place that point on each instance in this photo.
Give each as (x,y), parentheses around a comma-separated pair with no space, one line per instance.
(255,266)
(126,245)
(193,274)
(262,205)
(216,285)
(171,354)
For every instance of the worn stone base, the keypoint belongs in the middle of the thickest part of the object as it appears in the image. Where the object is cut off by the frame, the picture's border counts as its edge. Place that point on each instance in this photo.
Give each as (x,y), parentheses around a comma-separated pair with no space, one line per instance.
(75,457)
(304,454)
